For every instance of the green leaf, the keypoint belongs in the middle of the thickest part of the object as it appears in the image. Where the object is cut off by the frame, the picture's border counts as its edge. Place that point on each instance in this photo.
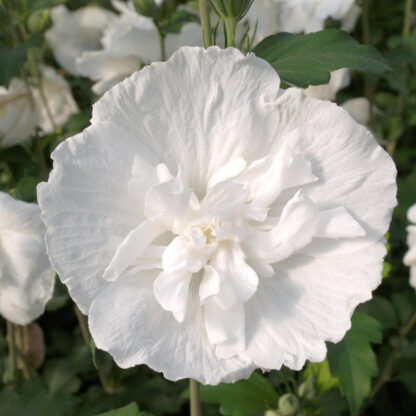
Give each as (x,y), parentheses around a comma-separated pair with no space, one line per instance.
(322,375)
(11,60)
(306,60)
(353,361)
(130,410)
(381,309)
(35,400)
(242,398)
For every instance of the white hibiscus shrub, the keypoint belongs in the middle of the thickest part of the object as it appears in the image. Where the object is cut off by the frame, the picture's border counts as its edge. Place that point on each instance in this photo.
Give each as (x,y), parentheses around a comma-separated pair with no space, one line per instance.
(206,204)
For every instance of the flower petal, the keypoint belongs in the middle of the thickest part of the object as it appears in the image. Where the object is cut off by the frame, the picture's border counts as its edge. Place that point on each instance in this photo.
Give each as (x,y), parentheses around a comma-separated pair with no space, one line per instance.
(228,116)
(136,331)
(353,170)
(171,291)
(306,303)
(225,328)
(87,207)
(132,247)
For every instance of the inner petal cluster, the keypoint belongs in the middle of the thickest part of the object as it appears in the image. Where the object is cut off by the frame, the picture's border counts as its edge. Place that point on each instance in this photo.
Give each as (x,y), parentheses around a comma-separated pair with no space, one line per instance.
(252,216)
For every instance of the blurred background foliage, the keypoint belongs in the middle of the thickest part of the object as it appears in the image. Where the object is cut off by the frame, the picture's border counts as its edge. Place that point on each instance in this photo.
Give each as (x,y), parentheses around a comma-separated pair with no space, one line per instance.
(371,372)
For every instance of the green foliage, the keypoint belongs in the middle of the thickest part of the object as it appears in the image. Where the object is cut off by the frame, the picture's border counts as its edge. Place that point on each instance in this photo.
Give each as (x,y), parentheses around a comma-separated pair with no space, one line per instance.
(353,361)
(321,374)
(11,60)
(305,60)
(34,399)
(130,410)
(242,398)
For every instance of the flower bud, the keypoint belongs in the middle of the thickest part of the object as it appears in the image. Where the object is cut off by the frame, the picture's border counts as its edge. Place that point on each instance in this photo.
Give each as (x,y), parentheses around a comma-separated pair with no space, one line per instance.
(307,389)
(231,8)
(271,413)
(39,21)
(288,405)
(146,7)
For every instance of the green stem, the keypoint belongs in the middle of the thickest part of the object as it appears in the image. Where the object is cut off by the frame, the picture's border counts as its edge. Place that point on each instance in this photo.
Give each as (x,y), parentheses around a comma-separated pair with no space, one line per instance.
(407,18)
(35,72)
(162,38)
(87,339)
(205,22)
(230,24)
(11,340)
(21,359)
(195,399)
(368,85)
(392,144)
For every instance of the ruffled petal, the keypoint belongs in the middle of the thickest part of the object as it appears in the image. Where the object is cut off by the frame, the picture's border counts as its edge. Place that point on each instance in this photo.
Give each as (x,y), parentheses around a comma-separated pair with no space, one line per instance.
(238,280)
(354,171)
(87,207)
(136,330)
(132,247)
(225,328)
(171,291)
(228,116)
(307,302)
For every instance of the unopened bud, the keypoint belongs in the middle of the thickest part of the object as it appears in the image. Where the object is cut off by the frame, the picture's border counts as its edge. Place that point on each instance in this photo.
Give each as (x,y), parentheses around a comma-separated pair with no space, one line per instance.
(146,7)
(231,8)
(39,21)
(307,389)
(288,405)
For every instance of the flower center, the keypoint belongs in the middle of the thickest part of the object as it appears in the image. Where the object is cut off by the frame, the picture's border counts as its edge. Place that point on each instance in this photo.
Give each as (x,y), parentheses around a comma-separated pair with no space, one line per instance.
(251,217)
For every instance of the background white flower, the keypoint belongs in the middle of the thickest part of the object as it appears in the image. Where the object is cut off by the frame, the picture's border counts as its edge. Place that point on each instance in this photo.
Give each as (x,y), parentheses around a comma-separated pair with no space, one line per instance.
(297,16)
(26,277)
(359,109)
(75,32)
(210,223)
(18,115)
(22,106)
(339,79)
(410,257)
(129,42)
(58,97)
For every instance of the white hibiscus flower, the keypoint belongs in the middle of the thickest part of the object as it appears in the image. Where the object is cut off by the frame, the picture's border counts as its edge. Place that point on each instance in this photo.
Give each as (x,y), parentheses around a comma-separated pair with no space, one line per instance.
(359,109)
(130,42)
(410,257)
(18,115)
(210,223)
(339,79)
(22,106)
(75,32)
(58,97)
(297,16)
(26,276)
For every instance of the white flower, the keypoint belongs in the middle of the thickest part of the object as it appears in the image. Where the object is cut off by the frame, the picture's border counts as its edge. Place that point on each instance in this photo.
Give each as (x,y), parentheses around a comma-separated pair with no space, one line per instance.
(339,79)
(410,257)
(22,106)
(359,109)
(297,16)
(18,115)
(58,97)
(210,223)
(130,42)
(75,32)
(26,276)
